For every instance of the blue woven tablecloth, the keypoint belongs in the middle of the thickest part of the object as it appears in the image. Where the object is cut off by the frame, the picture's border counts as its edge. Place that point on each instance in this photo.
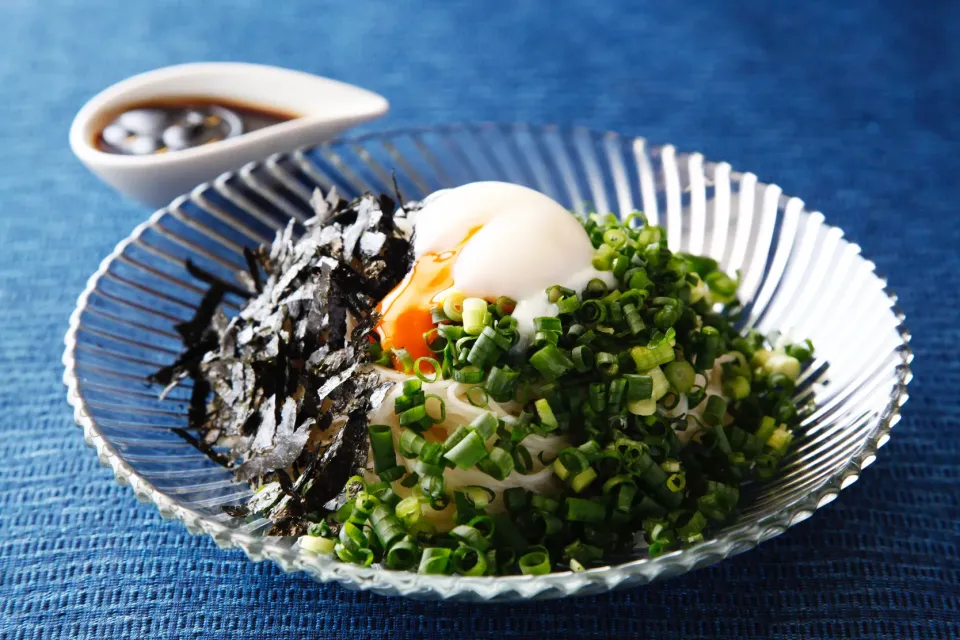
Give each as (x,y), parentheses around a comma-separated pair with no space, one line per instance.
(852,106)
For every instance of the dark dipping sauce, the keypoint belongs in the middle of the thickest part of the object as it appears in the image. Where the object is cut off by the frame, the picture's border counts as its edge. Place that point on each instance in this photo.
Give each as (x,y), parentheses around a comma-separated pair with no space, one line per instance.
(174,124)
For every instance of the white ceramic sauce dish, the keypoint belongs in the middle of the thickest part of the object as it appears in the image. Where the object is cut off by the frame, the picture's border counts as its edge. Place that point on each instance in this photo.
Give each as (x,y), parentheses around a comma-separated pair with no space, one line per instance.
(323,109)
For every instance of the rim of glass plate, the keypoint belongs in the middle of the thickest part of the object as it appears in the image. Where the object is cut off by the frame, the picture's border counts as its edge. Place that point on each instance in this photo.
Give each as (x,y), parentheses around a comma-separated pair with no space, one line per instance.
(728,543)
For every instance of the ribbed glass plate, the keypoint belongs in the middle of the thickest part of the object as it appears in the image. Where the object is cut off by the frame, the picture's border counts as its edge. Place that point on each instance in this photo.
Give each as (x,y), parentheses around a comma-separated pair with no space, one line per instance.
(799,275)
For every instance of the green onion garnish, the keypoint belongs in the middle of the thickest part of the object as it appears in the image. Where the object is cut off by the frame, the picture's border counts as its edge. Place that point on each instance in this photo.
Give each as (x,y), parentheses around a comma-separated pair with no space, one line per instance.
(535,563)
(435,561)
(468,452)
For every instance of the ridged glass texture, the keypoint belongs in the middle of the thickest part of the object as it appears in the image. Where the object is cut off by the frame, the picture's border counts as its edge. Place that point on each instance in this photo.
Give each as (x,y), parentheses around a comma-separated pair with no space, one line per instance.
(799,275)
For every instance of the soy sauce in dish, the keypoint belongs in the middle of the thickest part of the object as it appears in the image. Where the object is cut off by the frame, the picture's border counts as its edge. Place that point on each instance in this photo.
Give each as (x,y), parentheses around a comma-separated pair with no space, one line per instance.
(175,124)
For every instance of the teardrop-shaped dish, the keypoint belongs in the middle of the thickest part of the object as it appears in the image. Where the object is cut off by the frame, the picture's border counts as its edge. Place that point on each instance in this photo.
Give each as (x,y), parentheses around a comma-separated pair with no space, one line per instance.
(324,108)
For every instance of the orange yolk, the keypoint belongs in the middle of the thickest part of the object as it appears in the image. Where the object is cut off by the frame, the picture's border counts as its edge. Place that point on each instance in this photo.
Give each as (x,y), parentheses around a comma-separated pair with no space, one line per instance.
(405,311)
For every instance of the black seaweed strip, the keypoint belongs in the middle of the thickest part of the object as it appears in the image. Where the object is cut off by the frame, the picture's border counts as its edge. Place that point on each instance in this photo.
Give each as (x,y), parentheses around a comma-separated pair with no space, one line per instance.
(253,268)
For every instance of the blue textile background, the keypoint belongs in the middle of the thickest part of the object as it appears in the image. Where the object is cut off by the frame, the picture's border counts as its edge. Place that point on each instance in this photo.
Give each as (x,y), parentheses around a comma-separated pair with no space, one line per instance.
(850,105)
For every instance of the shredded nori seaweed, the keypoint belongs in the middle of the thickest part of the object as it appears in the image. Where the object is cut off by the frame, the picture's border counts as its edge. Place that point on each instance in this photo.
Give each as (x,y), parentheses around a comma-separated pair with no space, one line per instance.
(290,397)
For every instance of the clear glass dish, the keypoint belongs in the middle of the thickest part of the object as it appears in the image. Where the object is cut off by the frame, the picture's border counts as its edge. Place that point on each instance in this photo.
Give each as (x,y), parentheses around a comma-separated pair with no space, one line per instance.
(799,275)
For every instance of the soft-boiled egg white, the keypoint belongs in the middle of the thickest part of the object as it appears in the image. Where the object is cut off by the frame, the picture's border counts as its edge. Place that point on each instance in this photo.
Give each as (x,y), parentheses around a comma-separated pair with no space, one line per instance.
(487,239)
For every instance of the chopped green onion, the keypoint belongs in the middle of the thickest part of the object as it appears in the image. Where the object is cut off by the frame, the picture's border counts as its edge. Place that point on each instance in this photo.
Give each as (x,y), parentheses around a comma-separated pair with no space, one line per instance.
(468,451)
(485,424)
(453,306)
(468,374)
(381,441)
(423,469)
(485,351)
(411,443)
(387,526)
(535,563)
(474,314)
(545,413)
(721,284)
(559,469)
(468,561)
(680,375)
(505,305)
(321,546)
(625,496)
(583,480)
(716,407)
(453,439)
(646,358)
(482,401)
(434,561)
(660,383)
(780,382)
(583,358)
(502,382)
(547,323)
(593,311)
(573,459)
(639,280)
(435,342)
(403,555)
(408,510)
(437,315)
(767,426)
(479,497)
(639,387)
(801,352)
(404,358)
(695,396)
(598,396)
(608,364)
(709,346)
(432,485)
(551,362)
(783,364)
(556,292)
(442,408)
(615,395)
(693,527)
(498,464)
(567,305)
(634,321)
(642,407)
(584,510)
(470,536)
(362,557)
(616,238)
(413,415)
(515,498)
(591,450)
(522,460)
(780,440)
(407,401)
(676,482)
(543,338)
(417,371)
(738,387)
(392,473)
(544,503)
(352,537)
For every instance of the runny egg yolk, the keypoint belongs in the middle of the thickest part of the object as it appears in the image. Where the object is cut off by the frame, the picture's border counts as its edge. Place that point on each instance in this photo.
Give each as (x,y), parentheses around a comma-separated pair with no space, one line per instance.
(405,311)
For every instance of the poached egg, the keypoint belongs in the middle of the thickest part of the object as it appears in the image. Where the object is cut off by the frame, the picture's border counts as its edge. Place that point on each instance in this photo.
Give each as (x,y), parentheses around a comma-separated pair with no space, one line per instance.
(485,240)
